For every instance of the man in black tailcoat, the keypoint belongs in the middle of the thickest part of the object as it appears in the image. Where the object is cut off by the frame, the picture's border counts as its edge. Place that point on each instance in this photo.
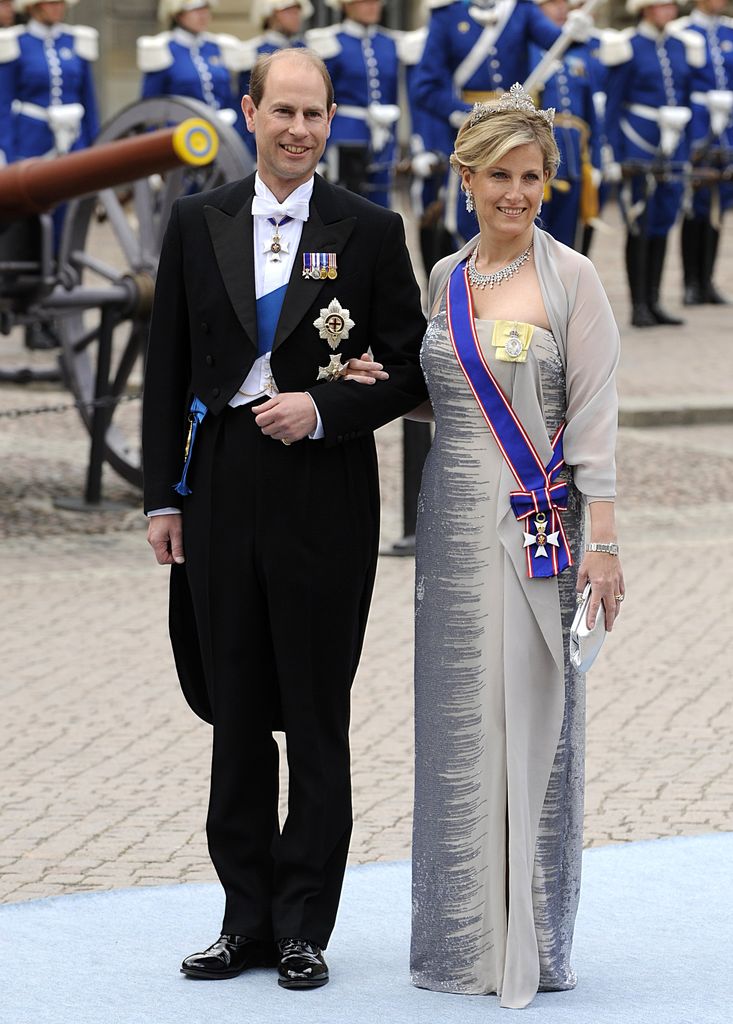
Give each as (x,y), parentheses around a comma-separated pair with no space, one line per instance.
(268,288)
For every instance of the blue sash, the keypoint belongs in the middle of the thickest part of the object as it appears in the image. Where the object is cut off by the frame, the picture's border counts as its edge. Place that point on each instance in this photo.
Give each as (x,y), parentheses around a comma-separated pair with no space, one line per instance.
(539,500)
(268,314)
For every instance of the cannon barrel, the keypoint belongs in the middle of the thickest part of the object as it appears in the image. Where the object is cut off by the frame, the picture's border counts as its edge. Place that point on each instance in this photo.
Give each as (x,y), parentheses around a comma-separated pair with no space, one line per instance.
(37,185)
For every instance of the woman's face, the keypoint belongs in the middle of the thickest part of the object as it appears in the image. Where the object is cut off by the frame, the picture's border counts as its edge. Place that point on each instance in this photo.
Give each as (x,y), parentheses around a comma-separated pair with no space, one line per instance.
(366,12)
(195,21)
(660,15)
(7,14)
(50,12)
(507,194)
(712,6)
(287,20)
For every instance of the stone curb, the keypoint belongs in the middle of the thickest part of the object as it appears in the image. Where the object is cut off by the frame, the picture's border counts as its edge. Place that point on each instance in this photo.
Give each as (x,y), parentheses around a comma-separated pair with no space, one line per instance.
(668,411)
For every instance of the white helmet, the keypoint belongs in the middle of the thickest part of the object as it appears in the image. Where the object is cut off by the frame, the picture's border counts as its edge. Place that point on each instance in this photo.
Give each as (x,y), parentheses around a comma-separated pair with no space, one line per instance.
(637,6)
(168,9)
(21,6)
(336,5)
(267,7)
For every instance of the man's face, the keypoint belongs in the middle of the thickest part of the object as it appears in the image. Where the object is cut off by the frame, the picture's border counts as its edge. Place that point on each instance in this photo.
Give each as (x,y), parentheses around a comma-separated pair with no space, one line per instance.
(291,124)
(7,16)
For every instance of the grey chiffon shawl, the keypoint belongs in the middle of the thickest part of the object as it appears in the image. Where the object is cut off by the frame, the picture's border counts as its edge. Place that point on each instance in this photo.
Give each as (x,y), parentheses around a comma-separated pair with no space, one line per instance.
(586,333)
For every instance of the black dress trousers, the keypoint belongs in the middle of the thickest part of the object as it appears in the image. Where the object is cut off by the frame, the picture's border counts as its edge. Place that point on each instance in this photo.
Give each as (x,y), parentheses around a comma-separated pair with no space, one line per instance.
(282,594)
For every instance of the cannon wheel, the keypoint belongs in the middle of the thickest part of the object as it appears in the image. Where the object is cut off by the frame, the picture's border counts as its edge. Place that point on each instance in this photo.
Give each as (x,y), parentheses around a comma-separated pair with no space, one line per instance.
(115,237)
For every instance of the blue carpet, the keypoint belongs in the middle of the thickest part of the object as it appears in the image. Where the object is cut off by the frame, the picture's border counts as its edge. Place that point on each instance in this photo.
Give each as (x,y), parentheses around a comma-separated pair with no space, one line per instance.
(652,947)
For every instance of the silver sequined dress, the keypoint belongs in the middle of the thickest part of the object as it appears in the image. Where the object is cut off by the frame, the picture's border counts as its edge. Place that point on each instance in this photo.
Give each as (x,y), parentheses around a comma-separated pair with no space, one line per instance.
(498,794)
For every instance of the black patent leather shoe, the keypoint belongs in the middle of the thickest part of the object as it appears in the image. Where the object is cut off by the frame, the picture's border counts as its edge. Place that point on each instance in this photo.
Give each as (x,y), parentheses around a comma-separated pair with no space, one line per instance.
(301,964)
(229,956)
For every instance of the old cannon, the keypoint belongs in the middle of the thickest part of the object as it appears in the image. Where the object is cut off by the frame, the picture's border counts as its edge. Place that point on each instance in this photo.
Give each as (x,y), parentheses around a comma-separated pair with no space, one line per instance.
(94,285)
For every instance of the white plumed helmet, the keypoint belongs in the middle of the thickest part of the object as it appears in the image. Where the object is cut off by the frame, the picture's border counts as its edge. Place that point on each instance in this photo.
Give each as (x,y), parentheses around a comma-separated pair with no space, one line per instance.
(21,6)
(168,9)
(267,7)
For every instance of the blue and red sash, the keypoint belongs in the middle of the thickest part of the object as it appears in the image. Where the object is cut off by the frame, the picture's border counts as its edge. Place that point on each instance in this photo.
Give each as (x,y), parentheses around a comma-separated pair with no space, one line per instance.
(538,502)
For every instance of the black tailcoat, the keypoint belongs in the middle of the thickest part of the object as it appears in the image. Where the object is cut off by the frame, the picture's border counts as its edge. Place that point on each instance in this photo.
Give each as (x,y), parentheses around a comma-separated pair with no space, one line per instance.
(268,613)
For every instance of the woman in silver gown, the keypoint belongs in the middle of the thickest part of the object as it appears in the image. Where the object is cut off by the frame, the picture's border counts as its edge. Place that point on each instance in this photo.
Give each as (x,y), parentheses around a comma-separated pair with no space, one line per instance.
(499,708)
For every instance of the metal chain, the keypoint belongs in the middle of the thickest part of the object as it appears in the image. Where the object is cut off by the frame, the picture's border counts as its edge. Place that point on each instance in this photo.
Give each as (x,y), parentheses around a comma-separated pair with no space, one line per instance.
(105,400)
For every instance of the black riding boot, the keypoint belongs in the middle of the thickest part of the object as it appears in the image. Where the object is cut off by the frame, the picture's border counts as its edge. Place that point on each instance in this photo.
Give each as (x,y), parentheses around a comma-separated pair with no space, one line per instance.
(636,271)
(657,250)
(692,259)
(710,293)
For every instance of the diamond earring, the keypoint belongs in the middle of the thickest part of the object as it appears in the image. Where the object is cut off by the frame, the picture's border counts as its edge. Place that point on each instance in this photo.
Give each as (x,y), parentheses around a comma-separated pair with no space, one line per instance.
(539,209)
(469,200)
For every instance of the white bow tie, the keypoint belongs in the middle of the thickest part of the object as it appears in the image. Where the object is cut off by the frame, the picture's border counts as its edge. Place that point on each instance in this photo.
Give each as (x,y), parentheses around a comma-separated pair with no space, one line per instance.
(297,209)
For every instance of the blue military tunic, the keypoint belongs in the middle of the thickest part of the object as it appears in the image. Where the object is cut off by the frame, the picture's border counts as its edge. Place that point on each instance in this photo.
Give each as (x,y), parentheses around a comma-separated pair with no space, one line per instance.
(570,91)
(649,70)
(364,65)
(199,66)
(47,98)
(712,137)
(466,61)
(269,42)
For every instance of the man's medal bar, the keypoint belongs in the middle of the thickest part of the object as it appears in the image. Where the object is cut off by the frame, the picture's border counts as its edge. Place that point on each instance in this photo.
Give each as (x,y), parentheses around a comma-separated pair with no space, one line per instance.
(320,265)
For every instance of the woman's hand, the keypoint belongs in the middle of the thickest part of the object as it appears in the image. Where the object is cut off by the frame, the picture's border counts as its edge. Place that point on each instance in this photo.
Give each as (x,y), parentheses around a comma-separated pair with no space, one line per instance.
(364,370)
(607,585)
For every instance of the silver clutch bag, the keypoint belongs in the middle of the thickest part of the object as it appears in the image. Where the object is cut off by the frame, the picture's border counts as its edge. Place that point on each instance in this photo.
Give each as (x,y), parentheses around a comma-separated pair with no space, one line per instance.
(586,643)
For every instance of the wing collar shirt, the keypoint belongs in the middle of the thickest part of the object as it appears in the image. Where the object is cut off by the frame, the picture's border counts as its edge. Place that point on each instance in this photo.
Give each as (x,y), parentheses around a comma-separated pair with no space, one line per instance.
(271,274)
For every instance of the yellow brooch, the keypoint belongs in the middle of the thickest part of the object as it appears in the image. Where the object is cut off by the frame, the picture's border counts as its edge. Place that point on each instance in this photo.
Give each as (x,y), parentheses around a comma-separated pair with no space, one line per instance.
(511,340)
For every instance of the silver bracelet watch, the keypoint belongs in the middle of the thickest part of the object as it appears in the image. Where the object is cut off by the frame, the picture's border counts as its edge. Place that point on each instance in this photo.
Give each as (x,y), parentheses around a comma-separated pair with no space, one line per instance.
(609,549)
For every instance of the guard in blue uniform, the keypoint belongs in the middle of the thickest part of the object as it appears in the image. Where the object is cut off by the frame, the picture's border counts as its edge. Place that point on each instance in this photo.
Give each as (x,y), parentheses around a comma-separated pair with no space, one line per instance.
(431,144)
(572,199)
(282,23)
(648,130)
(47,98)
(187,60)
(47,101)
(363,60)
(712,148)
(474,52)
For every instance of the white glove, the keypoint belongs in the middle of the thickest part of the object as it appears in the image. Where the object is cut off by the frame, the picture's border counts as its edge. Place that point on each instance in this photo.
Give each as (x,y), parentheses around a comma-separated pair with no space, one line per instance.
(424,164)
(579,26)
(596,177)
(612,172)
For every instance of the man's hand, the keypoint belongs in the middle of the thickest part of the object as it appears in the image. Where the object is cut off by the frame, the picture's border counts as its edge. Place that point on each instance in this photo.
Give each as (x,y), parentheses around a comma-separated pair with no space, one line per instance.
(165,537)
(291,416)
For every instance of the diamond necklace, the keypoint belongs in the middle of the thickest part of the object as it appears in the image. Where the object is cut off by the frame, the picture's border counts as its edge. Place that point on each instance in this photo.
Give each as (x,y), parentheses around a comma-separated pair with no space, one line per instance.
(479,280)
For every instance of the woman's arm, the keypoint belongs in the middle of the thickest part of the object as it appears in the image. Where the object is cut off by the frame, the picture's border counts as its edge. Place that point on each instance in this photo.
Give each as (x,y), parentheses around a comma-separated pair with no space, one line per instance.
(601,569)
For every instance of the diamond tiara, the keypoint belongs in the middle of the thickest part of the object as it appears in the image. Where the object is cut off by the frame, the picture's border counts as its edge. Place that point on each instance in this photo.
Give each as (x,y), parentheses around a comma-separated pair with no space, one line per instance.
(515,99)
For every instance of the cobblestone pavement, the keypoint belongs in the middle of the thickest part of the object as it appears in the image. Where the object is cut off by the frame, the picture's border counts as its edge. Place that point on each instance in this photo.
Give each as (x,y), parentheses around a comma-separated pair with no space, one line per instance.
(104,769)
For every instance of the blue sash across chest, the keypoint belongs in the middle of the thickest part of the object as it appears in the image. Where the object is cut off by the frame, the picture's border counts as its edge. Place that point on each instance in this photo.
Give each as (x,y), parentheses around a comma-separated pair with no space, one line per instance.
(540,496)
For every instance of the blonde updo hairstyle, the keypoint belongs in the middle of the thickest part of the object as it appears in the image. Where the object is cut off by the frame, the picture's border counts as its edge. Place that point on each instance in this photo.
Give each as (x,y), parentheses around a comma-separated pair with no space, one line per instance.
(483,143)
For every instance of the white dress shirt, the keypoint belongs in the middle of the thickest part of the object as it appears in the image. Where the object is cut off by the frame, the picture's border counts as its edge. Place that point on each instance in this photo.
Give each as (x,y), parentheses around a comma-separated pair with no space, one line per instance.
(269,275)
